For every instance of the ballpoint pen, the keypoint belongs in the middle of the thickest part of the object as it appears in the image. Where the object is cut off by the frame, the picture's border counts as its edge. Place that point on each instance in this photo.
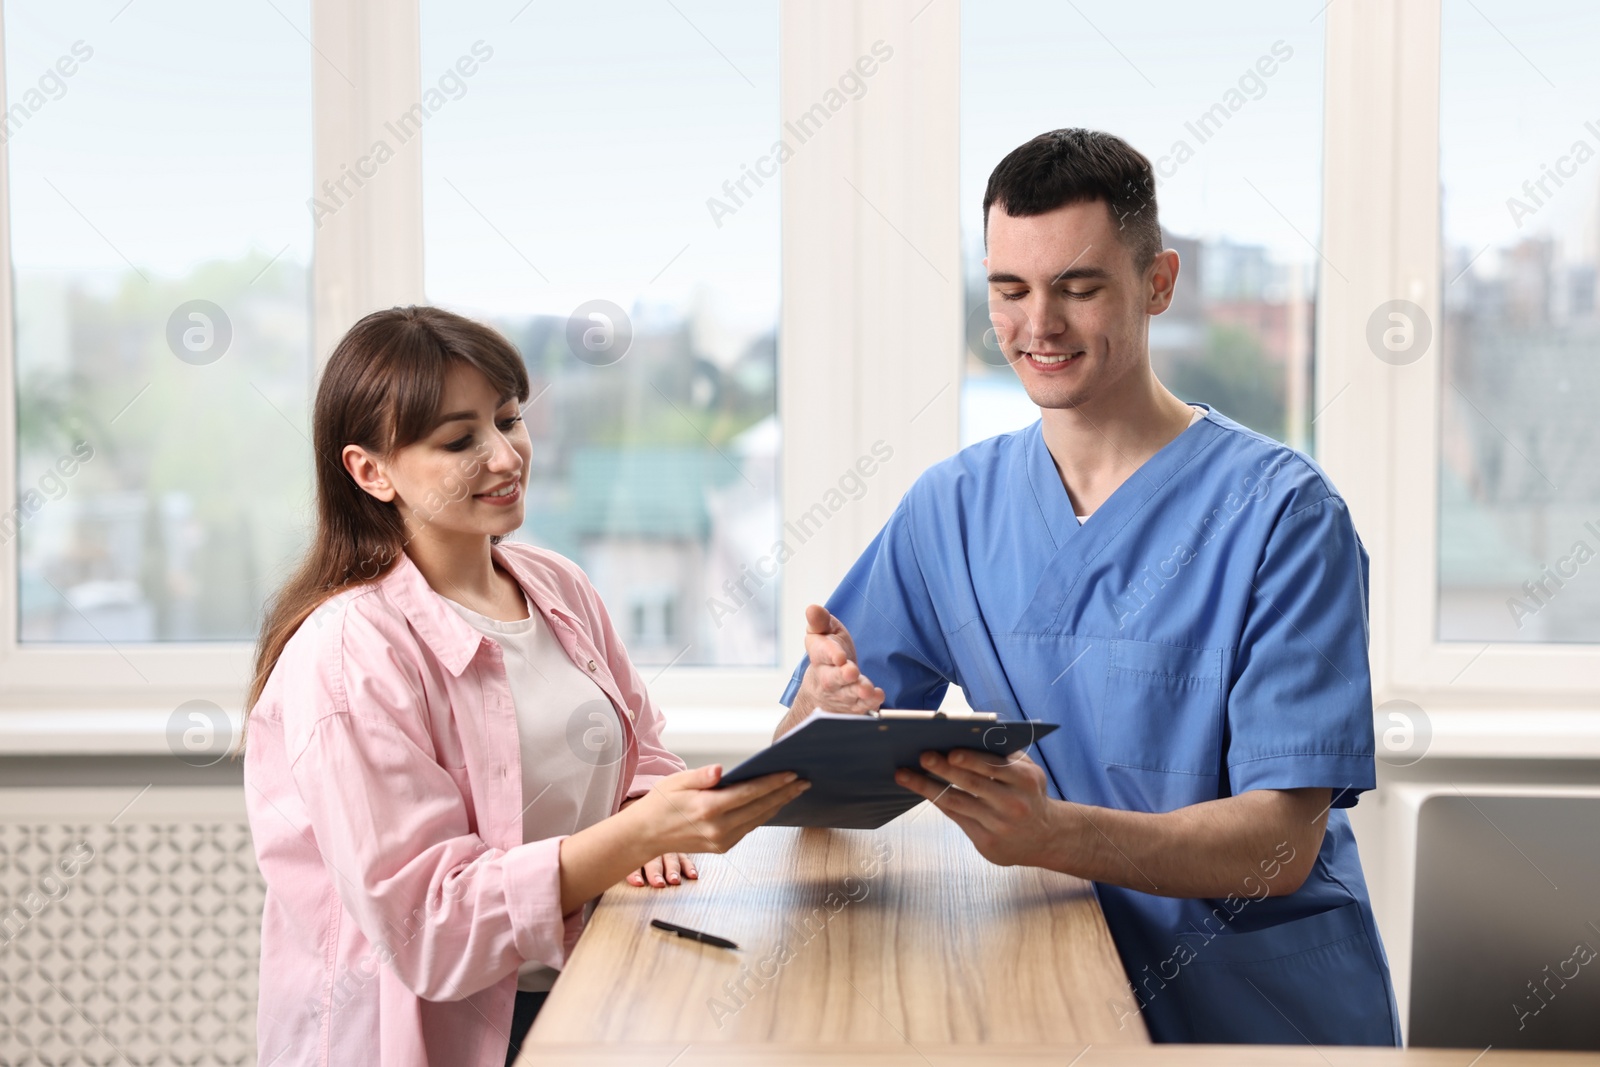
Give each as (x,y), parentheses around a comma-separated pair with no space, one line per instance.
(692,935)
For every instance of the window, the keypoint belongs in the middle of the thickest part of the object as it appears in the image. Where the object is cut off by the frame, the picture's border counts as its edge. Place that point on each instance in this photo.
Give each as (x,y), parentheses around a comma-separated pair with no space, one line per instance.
(1226,102)
(588,188)
(601,188)
(1519,492)
(159,159)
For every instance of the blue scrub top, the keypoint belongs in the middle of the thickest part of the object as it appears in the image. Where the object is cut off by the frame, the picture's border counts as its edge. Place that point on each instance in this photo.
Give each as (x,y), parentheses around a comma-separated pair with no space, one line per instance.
(1204,633)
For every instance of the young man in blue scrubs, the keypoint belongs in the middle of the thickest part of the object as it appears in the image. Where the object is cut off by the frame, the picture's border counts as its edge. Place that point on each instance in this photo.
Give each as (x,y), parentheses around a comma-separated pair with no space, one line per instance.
(1185,598)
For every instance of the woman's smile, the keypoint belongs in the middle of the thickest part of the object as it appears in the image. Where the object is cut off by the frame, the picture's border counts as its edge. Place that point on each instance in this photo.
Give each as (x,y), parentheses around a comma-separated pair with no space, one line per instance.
(504,496)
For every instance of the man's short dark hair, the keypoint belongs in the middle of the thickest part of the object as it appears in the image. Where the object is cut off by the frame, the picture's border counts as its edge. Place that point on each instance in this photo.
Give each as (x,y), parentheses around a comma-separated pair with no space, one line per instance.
(1075,165)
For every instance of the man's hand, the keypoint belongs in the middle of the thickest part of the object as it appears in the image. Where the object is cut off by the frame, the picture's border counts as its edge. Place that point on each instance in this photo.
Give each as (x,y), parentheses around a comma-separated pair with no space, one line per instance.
(1260,843)
(833,680)
(999,803)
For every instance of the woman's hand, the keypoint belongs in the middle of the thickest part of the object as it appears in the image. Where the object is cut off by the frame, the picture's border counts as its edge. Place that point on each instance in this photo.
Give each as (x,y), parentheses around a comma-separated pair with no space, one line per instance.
(663,871)
(683,812)
(680,813)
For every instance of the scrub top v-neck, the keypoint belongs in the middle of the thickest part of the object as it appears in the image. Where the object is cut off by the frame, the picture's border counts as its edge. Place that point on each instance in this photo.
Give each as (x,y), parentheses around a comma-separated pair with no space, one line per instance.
(1199,413)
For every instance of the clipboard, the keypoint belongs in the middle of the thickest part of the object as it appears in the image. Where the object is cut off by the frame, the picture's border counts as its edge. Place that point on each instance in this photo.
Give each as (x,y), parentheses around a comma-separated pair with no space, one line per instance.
(850,761)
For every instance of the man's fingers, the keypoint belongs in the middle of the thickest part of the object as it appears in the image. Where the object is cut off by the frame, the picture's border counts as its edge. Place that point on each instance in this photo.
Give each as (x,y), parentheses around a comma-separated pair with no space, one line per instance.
(672,868)
(977,782)
(835,679)
(820,621)
(840,681)
(921,784)
(866,696)
(1015,768)
(825,650)
(845,681)
(832,693)
(948,799)
(833,676)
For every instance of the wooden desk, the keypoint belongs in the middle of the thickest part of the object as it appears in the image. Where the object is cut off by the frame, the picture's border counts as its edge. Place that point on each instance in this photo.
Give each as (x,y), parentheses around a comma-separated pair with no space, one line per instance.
(902,934)
(814,1055)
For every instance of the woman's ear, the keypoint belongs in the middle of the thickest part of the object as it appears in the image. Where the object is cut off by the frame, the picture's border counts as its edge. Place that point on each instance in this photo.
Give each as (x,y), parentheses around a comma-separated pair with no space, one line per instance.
(367,472)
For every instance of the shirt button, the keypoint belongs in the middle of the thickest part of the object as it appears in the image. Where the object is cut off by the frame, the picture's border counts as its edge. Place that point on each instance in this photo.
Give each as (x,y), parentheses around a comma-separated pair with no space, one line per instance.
(592,667)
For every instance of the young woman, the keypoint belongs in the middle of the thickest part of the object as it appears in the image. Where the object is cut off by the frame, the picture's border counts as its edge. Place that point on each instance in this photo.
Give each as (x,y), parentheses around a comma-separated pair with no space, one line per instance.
(449,754)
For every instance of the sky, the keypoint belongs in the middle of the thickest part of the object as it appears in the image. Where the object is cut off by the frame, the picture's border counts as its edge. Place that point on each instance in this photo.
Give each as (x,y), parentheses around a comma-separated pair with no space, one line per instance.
(586,148)
(1518,84)
(578,164)
(1142,72)
(185,136)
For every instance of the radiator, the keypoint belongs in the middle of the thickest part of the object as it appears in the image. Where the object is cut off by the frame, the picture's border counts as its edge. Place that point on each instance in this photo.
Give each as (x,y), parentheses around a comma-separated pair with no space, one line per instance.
(130,927)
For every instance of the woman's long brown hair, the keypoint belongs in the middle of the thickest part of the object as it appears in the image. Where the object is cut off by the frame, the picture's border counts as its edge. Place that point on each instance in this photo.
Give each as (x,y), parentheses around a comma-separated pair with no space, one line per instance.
(381,389)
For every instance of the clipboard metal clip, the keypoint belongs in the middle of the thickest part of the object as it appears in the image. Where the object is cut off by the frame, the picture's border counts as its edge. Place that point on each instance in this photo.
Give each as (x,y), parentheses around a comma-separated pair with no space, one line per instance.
(959,716)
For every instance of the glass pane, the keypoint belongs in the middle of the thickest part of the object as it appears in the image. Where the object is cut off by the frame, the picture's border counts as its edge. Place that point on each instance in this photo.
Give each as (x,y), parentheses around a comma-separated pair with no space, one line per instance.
(1226,101)
(1519,493)
(591,189)
(160,159)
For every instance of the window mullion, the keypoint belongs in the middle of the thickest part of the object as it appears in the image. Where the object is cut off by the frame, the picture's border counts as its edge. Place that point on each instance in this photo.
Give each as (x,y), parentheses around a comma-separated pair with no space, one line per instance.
(871,334)
(367,201)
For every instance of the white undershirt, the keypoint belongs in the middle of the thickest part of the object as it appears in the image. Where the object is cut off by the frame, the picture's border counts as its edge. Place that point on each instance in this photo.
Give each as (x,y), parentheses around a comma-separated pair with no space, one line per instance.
(1199,413)
(568,734)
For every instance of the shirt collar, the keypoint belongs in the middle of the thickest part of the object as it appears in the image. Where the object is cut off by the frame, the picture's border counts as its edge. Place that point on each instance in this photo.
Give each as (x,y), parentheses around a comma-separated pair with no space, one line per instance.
(450,637)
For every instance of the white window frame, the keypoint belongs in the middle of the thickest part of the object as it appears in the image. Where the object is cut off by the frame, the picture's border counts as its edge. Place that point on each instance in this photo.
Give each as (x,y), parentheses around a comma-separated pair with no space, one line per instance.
(869,223)
(870,334)
(1378,431)
(365,257)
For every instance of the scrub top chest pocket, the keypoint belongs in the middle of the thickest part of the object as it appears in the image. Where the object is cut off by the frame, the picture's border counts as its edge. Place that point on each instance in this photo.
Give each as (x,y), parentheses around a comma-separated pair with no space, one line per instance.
(1162,708)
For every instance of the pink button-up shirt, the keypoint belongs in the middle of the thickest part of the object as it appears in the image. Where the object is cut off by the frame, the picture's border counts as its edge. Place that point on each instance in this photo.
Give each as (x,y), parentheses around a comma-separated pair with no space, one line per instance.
(384,787)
